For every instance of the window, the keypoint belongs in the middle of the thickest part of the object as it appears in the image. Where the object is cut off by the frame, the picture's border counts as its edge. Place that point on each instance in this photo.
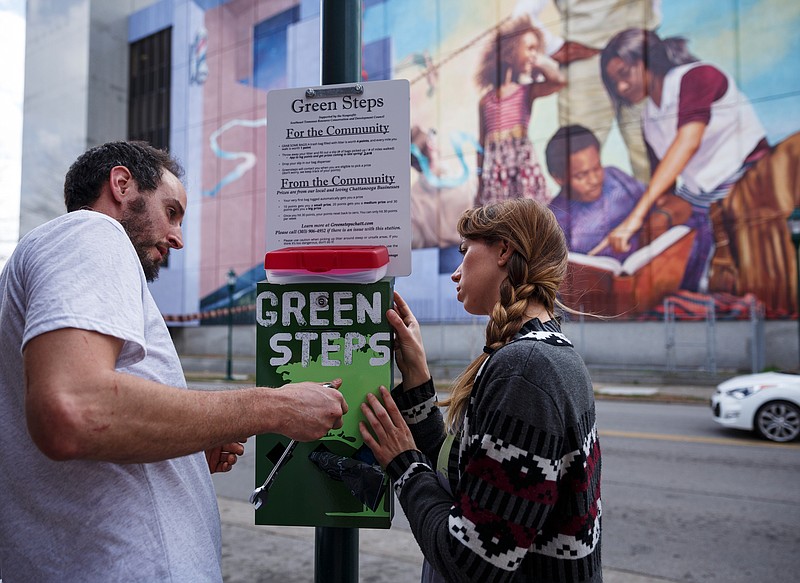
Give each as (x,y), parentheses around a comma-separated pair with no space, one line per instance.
(149,89)
(270,50)
(376,60)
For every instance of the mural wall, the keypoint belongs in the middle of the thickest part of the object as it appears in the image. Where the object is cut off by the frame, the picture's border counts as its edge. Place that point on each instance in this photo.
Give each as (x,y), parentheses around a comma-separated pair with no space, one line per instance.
(663,136)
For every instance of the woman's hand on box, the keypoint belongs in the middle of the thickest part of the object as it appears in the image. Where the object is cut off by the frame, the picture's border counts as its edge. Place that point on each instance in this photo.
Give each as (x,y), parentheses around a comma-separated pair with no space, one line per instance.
(408,347)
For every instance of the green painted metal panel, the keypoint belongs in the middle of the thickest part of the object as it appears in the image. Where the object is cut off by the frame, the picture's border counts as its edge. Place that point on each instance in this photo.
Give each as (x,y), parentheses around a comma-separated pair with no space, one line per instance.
(319,332)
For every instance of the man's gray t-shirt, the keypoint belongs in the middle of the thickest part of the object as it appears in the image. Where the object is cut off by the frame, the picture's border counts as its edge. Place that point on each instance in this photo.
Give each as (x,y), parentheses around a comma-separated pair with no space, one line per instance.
(85,520)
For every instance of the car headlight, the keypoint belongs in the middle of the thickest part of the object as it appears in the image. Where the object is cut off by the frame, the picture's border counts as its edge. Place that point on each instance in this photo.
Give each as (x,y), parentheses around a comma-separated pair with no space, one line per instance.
(743,392)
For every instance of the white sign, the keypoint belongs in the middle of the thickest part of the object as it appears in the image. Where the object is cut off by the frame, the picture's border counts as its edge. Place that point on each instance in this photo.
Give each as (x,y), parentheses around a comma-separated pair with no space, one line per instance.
(338,168)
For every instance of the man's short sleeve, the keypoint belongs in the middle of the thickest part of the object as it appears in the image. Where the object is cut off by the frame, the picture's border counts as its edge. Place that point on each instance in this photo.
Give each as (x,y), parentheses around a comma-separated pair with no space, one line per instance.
(84,273)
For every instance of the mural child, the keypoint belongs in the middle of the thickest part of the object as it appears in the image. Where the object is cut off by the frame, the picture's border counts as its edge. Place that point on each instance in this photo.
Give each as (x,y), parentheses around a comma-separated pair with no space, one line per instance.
(514,72)
(593,200)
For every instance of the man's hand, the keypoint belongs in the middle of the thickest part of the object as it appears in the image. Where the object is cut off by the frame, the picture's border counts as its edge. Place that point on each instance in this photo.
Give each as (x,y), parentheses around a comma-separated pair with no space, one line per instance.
(573,51)
(222,458)
(310,410)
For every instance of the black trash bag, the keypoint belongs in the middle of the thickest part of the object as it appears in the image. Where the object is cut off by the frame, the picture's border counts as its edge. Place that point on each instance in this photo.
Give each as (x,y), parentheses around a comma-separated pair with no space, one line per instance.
(365,481)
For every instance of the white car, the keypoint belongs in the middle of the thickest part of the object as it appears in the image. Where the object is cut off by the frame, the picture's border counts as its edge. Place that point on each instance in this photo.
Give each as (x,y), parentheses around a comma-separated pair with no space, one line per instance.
(768,403)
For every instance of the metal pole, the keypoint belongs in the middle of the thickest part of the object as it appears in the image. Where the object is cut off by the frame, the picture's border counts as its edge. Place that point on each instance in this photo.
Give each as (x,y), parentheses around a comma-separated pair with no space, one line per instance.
(336,549)
(336,555)
(793,221)
(231,288)
(796,241)
(341,41)
(711,336)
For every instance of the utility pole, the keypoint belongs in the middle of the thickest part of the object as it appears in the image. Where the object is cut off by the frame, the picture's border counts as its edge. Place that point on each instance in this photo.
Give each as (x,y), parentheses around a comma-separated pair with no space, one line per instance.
(336,549)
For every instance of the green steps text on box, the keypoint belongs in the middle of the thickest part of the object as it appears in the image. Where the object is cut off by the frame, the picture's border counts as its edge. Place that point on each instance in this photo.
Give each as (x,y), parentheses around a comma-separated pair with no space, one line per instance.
(318,332)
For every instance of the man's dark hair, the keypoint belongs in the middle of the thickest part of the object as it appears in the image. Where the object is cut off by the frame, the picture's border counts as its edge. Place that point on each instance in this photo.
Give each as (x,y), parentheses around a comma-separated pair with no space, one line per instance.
(565,142)
(90,171)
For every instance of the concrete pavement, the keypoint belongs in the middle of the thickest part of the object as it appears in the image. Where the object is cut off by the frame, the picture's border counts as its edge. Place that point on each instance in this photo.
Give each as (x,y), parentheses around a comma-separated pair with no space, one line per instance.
(262,554)
(286,554)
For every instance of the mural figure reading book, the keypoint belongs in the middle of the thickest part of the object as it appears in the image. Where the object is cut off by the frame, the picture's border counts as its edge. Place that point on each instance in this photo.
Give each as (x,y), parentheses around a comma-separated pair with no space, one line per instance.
(592,201)
(702,130)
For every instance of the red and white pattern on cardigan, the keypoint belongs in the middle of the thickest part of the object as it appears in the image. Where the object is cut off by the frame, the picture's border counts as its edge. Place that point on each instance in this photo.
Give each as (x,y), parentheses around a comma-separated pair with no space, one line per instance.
(513,485)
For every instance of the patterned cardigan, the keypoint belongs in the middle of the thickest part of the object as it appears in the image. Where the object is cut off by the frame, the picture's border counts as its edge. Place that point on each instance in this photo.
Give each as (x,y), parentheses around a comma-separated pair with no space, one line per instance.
(523,469)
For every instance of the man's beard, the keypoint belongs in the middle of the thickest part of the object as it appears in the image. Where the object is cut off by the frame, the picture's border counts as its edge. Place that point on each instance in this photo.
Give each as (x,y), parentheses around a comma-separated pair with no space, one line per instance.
(138,226)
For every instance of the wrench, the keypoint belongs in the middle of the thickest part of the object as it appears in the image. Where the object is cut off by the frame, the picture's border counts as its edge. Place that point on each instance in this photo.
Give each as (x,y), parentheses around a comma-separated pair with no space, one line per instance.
(259,495)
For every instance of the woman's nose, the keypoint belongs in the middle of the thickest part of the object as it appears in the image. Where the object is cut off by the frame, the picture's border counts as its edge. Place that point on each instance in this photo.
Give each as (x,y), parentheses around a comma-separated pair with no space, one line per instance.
(456,276)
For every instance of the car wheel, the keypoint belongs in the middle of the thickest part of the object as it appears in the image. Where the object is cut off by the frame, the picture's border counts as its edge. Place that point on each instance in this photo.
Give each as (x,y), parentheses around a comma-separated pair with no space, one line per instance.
(778,421)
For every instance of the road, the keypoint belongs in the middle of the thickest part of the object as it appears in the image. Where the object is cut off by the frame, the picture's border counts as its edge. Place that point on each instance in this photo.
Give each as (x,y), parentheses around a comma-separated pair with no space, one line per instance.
(683,500)
(686,500)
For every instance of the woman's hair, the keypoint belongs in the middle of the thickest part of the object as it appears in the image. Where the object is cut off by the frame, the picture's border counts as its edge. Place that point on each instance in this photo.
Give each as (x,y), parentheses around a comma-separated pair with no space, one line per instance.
(535,271)
(500,53)
(638,44)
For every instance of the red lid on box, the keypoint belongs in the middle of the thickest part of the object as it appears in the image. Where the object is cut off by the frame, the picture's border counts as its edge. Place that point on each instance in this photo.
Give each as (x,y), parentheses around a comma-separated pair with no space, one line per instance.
(319,259)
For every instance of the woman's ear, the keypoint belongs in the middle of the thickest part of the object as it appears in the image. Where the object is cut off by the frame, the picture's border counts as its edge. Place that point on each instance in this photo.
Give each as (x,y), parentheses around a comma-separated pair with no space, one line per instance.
(506,251)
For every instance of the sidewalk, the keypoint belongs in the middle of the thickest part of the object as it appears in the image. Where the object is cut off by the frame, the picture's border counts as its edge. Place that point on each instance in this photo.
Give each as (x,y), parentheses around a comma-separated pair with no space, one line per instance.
(286,554)
(652,392)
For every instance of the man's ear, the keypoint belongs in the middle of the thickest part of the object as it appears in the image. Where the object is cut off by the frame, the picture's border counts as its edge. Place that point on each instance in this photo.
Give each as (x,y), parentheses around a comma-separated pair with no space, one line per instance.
(120,180)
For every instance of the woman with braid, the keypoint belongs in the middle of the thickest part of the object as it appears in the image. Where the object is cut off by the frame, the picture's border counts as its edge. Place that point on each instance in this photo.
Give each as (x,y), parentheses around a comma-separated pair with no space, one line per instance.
(507,487)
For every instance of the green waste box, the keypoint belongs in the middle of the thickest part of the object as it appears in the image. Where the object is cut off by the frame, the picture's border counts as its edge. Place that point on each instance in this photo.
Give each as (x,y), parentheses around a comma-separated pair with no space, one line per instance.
(321,315)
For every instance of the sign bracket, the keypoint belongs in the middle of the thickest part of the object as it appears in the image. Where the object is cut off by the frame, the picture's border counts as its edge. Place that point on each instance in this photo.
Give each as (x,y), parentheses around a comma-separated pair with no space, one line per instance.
(356,89)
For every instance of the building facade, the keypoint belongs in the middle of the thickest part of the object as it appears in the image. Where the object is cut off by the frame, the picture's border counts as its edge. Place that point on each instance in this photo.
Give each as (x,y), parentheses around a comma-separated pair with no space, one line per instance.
(489,121)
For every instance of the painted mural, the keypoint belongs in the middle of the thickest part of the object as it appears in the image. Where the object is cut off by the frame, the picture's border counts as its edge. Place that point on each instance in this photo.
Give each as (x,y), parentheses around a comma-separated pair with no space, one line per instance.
(665,138)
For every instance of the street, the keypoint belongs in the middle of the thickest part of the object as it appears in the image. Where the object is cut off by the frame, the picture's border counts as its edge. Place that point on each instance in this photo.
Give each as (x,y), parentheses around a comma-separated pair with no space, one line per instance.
(683,500)
(686,500)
